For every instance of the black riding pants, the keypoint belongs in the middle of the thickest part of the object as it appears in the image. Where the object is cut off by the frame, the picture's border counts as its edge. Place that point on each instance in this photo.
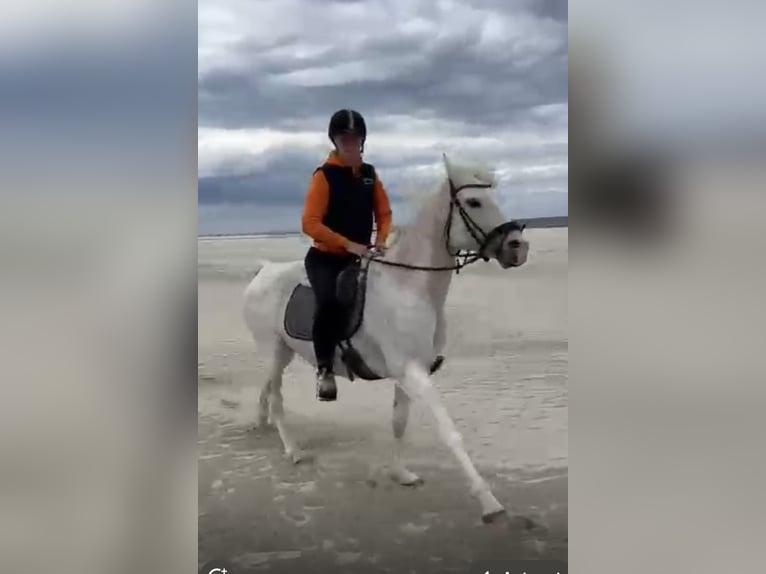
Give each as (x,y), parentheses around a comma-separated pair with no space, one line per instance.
(323,269)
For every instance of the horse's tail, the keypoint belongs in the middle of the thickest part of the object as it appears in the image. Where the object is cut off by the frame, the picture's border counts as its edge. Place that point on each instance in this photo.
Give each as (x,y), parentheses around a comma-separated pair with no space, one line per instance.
(251,273)
(253,285)
(257,267)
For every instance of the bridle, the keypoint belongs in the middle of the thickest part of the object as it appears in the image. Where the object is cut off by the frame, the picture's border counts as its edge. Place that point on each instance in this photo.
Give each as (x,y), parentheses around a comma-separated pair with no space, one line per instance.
(483,239)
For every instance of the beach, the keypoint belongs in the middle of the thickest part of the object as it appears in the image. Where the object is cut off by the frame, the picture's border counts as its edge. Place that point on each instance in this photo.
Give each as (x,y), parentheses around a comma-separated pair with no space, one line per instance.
(504,382)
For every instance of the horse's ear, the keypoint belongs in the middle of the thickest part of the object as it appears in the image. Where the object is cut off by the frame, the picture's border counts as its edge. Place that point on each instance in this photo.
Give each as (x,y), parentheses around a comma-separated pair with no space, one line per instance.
(447,165)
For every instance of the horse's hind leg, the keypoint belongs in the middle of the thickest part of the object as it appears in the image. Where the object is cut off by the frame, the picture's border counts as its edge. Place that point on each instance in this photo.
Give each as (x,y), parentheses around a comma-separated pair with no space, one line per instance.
(401,413)
(263,405)
(282,357)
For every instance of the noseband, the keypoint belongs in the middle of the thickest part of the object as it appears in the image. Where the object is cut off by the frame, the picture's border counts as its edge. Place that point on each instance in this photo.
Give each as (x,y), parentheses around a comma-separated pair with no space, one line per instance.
(483,240)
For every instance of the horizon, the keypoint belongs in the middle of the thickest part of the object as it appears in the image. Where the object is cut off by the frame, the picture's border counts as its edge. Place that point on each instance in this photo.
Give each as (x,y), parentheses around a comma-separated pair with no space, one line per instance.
(551,221)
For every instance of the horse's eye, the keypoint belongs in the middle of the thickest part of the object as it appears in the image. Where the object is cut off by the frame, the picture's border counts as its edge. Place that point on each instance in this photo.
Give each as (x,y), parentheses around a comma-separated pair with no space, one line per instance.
(473,202)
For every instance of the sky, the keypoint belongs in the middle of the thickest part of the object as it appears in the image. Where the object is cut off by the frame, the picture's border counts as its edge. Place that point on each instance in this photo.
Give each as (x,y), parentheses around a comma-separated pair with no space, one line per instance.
(485,80)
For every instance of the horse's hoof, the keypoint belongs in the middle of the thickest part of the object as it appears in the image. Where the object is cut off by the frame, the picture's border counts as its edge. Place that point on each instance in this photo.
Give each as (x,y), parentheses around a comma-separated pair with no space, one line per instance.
(516,523)
(495,517)
(300,456)
(525,523)
(412,482)
(406,478)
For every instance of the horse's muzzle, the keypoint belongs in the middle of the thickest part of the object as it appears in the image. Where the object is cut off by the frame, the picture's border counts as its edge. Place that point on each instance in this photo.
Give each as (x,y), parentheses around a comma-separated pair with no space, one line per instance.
(498,245)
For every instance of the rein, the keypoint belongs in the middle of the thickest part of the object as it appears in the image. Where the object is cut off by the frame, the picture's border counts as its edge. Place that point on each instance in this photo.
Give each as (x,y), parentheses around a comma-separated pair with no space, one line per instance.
(468,257)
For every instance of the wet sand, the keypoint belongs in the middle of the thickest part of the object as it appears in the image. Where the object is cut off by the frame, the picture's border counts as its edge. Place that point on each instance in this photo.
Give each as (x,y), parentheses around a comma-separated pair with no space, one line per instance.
(504,383)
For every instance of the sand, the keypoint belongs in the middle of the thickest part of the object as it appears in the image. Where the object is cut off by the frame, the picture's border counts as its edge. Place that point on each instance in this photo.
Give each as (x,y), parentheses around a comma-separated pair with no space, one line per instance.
(504,383)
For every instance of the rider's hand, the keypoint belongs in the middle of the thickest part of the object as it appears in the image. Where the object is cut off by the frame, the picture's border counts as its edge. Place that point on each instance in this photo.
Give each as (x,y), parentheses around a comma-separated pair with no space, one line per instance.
(357,248)
(380,248)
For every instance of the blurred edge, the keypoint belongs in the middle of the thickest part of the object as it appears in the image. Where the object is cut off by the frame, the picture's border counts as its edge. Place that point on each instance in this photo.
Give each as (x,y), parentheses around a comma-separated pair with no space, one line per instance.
(667,205)
(98,292)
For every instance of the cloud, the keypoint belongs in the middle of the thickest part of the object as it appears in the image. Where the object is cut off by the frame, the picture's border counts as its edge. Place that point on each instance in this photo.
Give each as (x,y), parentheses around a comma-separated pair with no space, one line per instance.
(486,80)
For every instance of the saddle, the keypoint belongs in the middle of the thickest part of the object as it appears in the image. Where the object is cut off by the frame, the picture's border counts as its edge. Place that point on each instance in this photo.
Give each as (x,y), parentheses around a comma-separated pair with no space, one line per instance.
(351,291)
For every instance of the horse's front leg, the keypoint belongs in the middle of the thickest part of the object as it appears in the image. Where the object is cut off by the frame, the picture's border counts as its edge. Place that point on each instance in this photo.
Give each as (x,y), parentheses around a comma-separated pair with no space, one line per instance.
(440,333)
(417,383)
(440,340)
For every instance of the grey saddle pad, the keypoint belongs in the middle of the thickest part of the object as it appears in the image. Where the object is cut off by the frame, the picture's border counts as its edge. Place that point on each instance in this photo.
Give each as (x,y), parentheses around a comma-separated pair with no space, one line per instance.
(299,315)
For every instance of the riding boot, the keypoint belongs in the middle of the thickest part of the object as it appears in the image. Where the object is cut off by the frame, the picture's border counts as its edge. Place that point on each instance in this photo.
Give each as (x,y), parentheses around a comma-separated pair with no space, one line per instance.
(327,390)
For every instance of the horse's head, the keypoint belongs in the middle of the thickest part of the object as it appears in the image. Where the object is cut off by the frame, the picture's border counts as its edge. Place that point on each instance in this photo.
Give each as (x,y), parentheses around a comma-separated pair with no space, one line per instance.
(475,222)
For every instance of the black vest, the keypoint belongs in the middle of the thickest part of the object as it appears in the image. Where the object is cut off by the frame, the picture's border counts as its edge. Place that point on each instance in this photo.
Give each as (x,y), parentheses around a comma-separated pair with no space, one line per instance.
(351,203)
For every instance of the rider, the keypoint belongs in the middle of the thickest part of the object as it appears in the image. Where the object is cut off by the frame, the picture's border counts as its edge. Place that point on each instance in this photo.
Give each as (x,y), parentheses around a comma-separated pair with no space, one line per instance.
(344,196)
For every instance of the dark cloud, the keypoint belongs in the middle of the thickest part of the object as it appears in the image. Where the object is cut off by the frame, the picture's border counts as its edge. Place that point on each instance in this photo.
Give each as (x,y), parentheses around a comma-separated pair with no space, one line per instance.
(269,188)
(457,76)
(557,10)
(281,181)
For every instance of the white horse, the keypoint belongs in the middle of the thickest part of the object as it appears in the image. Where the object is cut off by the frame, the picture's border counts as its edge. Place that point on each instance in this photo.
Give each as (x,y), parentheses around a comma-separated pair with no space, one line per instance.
(403,329)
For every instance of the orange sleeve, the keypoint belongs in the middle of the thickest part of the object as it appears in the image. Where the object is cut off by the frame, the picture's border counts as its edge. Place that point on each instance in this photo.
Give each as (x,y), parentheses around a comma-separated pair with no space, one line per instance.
(382,212)
(314,210)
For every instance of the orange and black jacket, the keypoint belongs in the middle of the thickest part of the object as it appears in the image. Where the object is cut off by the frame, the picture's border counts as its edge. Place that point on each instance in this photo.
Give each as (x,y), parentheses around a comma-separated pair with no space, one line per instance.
(342,203)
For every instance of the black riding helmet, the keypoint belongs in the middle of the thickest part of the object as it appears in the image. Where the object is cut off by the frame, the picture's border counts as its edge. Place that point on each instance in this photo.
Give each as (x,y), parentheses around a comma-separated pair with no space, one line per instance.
(345,121)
